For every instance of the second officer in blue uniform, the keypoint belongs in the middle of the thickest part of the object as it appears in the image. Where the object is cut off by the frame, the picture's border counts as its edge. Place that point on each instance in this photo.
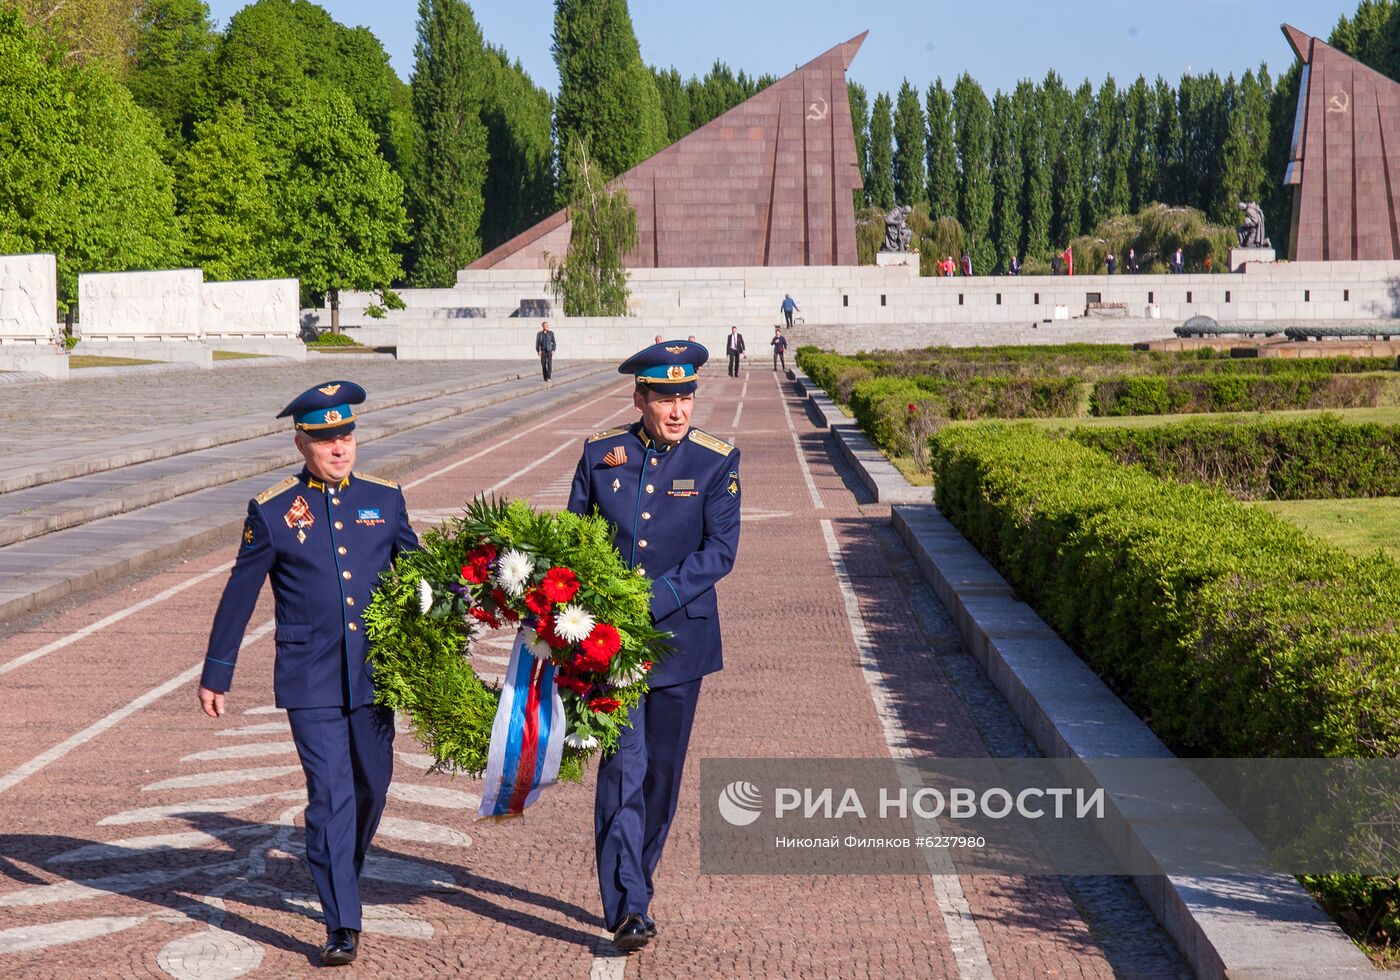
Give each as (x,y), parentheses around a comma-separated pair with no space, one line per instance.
(673,493)
(323,536)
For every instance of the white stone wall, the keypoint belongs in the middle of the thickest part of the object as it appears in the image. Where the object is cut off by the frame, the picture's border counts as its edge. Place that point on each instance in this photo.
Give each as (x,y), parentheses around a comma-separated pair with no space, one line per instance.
(136,307)
(28,300)
(250,309)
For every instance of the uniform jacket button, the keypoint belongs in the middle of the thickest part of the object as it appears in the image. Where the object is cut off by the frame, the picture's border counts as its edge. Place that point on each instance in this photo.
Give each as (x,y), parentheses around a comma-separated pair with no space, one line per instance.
(345,574)
(646,515)
(349,600)
(650,488)
(341,549)
(335,500)
(642,543)
(353,627)
(339,526)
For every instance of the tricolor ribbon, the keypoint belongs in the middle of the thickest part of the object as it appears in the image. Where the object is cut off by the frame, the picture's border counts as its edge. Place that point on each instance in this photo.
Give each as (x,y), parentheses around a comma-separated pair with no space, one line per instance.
(527,736)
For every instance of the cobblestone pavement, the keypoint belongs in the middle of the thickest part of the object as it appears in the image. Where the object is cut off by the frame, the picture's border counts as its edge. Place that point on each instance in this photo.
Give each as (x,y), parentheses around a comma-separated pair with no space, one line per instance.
(138,838)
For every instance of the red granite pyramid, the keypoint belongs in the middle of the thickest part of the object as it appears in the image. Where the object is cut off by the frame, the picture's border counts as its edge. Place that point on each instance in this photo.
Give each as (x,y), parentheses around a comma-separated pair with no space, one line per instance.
(767,183)
(1344,163)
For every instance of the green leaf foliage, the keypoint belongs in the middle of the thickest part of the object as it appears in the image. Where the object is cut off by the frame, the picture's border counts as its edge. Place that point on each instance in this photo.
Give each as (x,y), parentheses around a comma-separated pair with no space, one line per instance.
(908,162)
(226,198)
(591,280)
(879,188)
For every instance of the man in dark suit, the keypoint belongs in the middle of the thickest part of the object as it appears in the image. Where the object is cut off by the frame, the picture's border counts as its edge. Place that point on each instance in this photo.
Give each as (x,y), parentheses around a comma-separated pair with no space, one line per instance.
(672,491)
(323,536)
(544,346)
(734,348)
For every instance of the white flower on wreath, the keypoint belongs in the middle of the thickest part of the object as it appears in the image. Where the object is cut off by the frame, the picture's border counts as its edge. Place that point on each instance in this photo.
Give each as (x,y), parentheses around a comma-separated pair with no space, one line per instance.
(585,744)
(538,648)
(626,678)
(513,571)
(425,596)
(573,623)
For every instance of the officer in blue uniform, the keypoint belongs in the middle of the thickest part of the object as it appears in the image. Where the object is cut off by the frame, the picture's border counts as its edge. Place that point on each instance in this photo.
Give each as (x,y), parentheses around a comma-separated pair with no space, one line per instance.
(673,493)
(323,536)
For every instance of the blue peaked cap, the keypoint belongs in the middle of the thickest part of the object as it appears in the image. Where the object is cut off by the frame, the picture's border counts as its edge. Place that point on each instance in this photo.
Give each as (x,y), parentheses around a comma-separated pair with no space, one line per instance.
(324,412)
(671,366)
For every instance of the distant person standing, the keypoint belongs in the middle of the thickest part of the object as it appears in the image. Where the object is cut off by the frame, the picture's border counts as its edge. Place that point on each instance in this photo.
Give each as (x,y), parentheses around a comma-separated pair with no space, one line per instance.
(1178,262)
(1014,269)
(544,346)
(1132,263)
(1069,260)
(734,347)
(789,308)
(966,263)
(1110,263)
(779,343)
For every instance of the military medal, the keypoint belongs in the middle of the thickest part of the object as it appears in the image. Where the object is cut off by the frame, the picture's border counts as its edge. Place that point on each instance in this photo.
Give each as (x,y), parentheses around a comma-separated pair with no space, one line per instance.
(299,517)
(617,485)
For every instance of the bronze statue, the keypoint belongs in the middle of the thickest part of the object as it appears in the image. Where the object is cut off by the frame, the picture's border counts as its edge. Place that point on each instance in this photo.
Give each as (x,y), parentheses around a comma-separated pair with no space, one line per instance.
(897,233)
(1252,231)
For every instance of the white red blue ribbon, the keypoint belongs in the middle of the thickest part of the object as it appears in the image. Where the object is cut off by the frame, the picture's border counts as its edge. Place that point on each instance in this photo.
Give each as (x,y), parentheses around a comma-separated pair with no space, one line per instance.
(527,735)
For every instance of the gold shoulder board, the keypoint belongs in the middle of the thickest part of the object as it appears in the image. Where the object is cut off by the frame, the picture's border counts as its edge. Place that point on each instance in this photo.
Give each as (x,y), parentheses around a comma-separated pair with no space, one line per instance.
(608,434)
(371,478)
(711,442)
(273,491)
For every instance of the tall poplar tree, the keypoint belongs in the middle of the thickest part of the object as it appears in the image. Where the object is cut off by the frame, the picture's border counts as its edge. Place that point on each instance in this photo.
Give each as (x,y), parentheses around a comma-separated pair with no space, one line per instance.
(1142,156)
(1246,147)
(445,195)
(860,123)
(942,153)
(909,185)
(972,122)
(1170,180)
(1112,132)
(881,186)
(607,97)
(1037,206)
(1006,168)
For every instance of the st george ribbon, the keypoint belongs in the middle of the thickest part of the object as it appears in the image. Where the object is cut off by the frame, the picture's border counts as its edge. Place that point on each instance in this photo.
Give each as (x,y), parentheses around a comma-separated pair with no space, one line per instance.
(527,736)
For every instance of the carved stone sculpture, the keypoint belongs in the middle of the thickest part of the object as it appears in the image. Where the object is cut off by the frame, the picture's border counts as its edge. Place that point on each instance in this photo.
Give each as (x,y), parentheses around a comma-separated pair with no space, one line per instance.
(897,233)
(1252,231)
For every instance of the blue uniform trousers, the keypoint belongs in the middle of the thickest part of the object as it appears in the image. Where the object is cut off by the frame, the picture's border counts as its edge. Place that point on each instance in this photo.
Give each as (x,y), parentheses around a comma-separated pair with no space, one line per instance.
(637,790)
(348,757)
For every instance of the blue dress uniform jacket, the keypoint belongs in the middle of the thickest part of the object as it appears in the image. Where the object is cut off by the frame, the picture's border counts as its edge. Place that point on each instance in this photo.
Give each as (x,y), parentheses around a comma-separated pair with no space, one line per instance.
(676,510)
(324,547)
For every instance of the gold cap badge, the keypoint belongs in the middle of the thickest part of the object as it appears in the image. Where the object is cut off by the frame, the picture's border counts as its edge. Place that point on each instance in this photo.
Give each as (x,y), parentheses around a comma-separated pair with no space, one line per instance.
(328,389)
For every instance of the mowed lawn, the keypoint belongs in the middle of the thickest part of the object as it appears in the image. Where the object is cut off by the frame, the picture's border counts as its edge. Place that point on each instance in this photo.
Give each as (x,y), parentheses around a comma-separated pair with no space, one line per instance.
(1359,526)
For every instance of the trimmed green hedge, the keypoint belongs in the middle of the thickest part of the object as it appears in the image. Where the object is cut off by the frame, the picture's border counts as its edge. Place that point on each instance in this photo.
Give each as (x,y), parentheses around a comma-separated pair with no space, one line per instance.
(1156,395)
(1321,458)
(1231,631)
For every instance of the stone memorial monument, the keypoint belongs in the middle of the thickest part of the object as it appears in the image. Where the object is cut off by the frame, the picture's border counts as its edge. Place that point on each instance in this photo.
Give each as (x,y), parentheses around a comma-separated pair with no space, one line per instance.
(149,315)
(1254,244)
(29,333)
(257,316)
(895,248)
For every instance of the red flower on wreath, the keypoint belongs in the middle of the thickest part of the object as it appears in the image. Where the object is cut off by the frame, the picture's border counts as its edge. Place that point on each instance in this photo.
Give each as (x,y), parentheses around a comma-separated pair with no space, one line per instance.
(570,681)
(478,567)
(559,584)
(597,649)
(503,605)
(537,602)
(604,706)
(483,616)
(544,626)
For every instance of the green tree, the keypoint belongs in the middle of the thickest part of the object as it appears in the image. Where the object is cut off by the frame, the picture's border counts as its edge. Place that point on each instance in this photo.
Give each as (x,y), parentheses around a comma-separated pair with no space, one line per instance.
(607,98)
(1006,170)
(860,122)
(81,168)
(675,102)
(1142,156)
(1171,180)
(591,280)
(942,153)
(339,206)
(1243,177)
(908,146)
(520,186)
(1278,196)
(972,120)
(445,195)
(174,50)
(1037,204)
(225,198)
(880,188)
(90,32)
(1112,130)
(1087,155)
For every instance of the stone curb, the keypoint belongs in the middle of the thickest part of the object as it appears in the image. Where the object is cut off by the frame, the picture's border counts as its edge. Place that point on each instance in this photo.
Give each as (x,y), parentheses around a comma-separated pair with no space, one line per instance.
(121,558)
(1259,926)
(881,477)
(217,434)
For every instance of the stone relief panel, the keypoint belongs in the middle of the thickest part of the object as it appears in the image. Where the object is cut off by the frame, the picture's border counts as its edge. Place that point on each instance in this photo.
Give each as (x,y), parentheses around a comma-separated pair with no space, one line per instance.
(28,299)
(260,308)
(160,306)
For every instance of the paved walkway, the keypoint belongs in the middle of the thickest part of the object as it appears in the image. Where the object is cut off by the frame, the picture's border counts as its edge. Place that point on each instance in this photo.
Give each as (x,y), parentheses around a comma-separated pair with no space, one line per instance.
(141,839)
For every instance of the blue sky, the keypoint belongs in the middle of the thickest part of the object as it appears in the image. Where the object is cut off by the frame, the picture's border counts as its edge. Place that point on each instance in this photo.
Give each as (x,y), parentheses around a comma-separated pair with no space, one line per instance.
(998,42)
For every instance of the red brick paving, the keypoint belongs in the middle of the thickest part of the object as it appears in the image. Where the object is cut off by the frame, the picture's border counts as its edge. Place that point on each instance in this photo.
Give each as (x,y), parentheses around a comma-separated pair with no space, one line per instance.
(521,898)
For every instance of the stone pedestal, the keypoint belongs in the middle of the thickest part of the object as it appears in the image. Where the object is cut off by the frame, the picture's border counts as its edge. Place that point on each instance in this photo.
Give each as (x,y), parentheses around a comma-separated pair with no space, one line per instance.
(194,352)
(887,260)
(41,359)
(1239,256)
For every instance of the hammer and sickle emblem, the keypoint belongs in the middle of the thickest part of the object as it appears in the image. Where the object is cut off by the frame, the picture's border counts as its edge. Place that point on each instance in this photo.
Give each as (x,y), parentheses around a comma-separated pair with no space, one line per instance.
(1340,102)
(818,109)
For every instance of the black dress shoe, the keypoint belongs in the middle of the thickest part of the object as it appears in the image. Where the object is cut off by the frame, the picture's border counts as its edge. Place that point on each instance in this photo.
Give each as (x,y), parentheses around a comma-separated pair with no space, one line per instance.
(341,947)
(650,924)
(632,933)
